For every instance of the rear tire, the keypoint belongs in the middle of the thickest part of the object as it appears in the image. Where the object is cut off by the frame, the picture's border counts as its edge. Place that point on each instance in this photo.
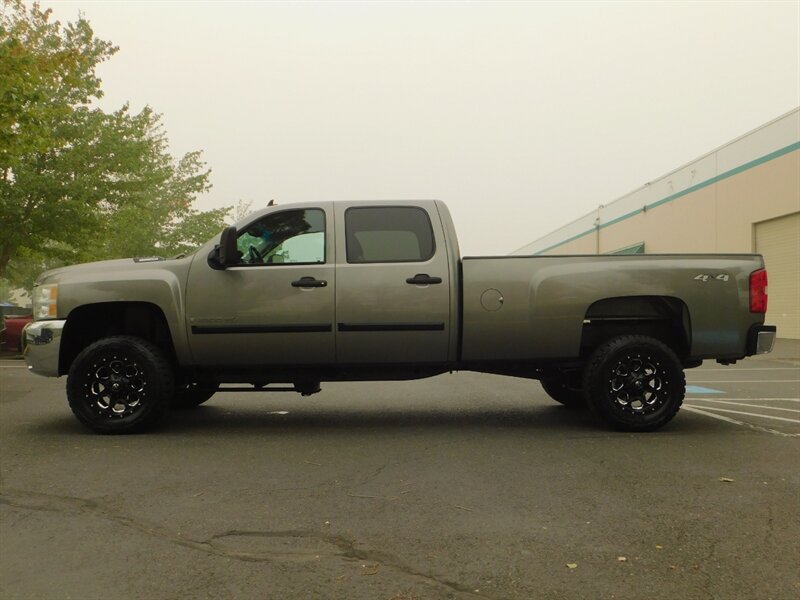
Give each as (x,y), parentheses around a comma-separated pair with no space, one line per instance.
(564,388)
(634,383)
(120,384)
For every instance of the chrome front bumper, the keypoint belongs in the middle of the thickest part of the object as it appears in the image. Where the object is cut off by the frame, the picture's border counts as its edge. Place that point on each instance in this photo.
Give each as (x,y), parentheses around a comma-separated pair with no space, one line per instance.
(42,342)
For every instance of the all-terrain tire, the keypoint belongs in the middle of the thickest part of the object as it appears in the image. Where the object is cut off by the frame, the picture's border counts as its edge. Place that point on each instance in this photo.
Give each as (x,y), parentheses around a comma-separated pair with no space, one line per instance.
(120,384)
(634,383)
(562,388)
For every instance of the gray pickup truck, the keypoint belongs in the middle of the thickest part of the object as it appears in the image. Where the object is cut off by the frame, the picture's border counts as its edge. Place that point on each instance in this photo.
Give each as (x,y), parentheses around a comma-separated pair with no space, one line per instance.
(305,293)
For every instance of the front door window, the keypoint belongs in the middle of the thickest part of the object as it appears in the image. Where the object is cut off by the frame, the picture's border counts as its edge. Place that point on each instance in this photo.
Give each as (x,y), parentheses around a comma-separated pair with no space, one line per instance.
(287,237)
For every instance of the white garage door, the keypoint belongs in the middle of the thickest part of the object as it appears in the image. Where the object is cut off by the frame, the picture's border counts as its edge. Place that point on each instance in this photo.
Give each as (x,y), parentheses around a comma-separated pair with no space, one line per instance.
(779,241)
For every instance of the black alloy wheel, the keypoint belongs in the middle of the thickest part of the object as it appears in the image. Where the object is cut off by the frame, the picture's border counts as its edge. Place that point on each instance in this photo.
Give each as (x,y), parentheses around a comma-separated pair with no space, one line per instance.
(119,385)
(635,383)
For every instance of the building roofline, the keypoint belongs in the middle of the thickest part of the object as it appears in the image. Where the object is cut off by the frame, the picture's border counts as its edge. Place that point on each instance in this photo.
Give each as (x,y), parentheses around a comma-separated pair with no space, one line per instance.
(656,180)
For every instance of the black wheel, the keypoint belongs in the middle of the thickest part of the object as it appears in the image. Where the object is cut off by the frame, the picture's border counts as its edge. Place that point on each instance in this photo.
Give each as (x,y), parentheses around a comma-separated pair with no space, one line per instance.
(634,383)
(564,387)
(193,394)
(120,385)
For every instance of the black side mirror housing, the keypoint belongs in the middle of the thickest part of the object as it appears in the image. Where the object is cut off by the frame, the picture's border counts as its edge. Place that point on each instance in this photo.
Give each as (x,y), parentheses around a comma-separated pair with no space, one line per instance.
(226,253)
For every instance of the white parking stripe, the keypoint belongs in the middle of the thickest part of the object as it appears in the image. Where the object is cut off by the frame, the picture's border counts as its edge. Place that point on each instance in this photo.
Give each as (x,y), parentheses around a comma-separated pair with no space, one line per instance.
(732,369)
(741,423)
(793,410)
(745,381)
(747,414)
(760,399)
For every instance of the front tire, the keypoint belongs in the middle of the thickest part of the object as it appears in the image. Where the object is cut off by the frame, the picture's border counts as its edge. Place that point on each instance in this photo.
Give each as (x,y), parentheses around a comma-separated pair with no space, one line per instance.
(193,395)
(120,384)
(634,383)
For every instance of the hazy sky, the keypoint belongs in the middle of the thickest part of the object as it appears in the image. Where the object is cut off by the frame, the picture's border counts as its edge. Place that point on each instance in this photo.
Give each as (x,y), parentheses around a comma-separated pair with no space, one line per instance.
(521,116)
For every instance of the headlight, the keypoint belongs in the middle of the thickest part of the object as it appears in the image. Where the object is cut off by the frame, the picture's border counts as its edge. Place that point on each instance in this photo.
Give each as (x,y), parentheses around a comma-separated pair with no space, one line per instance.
(45,302)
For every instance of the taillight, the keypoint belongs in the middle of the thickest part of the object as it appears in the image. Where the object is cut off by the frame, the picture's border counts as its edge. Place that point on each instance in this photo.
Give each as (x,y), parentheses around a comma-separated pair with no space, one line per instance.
(758,291)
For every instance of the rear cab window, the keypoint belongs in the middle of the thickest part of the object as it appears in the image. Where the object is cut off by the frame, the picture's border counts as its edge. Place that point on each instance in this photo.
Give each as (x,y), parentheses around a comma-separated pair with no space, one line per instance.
(388,234)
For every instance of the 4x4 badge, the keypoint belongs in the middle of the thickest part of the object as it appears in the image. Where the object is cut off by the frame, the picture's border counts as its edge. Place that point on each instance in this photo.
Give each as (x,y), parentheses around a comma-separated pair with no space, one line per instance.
(703,277)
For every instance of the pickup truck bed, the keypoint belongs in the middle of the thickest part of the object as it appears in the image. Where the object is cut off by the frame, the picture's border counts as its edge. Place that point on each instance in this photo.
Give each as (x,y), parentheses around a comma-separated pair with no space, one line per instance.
(542,308)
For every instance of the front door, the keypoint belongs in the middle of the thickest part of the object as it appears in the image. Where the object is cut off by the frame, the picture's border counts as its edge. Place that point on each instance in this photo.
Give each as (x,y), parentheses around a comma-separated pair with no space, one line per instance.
(276,307)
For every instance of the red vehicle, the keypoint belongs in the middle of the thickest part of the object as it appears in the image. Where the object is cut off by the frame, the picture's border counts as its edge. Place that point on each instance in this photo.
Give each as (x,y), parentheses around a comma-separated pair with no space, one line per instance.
(11,332)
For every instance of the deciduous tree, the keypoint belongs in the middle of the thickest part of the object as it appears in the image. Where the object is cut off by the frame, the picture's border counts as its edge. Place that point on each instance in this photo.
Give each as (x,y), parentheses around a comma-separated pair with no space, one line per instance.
(78,183)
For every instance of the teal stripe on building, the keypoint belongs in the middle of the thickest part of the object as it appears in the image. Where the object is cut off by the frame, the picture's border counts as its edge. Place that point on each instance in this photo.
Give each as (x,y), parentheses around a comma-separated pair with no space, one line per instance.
(671,198)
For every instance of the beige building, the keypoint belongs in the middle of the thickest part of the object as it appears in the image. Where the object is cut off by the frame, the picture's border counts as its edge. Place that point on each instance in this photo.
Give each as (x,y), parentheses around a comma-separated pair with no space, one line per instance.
(741,197)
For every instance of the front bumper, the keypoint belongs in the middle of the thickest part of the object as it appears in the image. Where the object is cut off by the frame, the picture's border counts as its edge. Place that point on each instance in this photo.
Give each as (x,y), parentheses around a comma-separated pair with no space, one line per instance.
(41,347)
(761,339)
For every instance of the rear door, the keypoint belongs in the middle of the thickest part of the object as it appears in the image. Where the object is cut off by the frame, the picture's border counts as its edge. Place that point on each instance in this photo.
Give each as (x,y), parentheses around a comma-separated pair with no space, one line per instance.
(392,285)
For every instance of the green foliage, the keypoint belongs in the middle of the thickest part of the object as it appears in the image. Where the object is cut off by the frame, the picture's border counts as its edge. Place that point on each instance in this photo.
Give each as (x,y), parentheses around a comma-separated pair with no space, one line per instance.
(5,291)
(77,183)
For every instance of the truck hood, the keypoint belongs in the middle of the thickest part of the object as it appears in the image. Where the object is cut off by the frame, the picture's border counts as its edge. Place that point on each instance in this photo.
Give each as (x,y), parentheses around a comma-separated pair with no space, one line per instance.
(100,267)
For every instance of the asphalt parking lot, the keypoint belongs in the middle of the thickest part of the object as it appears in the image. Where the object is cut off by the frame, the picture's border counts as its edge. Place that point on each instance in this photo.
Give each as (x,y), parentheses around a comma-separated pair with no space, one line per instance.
(462,486)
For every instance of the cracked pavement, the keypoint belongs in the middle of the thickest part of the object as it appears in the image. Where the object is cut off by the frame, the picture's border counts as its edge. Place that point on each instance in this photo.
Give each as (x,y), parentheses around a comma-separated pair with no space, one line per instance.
(462,486)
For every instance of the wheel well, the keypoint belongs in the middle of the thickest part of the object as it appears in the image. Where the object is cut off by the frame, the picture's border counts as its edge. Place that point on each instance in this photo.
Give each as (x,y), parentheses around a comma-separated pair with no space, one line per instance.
(87,324)
(662,317)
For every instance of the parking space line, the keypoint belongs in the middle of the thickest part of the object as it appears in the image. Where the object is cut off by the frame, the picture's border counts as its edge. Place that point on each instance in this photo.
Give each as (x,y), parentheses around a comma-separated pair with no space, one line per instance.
(729,369)
(740,423)
(793,410)
(748,414)
(697,389)
(761,399)
(746,381)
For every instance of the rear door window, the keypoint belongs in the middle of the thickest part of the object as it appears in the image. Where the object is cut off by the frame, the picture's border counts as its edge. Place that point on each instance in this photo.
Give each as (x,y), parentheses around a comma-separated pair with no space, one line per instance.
(388,234)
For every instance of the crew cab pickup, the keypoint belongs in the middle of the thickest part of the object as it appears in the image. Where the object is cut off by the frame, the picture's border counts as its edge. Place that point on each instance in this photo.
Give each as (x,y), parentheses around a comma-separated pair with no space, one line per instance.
(306,293)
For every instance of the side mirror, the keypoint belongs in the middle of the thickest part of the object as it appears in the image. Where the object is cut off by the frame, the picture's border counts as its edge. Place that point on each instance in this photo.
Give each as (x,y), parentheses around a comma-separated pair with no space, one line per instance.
(226,253)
